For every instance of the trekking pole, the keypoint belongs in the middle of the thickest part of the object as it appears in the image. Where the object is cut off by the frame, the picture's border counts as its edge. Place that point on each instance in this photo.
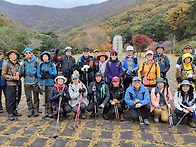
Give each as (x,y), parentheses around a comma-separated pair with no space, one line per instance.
(116,112)
(57,121)
(17,93)
(140,119)
(44,96)
(78,113)
(95,105)
(86,78)
(178,123)
(169,104)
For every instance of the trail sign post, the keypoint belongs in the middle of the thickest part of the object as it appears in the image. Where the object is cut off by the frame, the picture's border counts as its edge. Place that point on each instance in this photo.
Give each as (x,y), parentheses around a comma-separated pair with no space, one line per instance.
(118,45)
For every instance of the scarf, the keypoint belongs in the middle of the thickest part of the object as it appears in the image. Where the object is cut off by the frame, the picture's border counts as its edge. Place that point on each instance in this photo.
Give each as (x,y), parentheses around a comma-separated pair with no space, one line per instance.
(102,66)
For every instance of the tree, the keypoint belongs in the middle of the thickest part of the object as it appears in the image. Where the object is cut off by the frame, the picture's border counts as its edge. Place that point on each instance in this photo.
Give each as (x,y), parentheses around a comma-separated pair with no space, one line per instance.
(93,38)
(48,40)
(141,42)
(177,17)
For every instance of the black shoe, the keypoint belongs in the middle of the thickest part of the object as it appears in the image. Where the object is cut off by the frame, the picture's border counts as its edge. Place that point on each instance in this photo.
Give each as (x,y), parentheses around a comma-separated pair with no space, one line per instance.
(105,116)
(17,114)
(11,117)
(46,115)
(192,124)
(36,114)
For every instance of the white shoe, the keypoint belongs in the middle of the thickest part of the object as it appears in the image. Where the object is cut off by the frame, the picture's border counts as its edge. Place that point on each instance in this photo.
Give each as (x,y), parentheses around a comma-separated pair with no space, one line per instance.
(146,122)
(156,119)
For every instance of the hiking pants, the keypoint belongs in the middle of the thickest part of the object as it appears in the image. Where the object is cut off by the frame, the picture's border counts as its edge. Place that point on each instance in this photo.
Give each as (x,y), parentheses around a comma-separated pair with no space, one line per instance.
(163,113)
(33,105)
(12,103)
(48,105)
(145,111)
(91,107)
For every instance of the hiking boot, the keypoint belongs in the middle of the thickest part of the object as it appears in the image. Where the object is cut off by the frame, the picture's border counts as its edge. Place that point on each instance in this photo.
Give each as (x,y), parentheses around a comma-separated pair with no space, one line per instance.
(122,117)
(105,116)
(83,116)
(192,124)
(156,119)
(146,122)
(17,114)
(46,115)
(11,117)
(1,110)
(30,113)
(36,114)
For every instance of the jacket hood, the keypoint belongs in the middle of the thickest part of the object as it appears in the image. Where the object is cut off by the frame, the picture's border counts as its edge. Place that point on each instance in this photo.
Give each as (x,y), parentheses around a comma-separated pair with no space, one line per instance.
(48,53)
(186,56)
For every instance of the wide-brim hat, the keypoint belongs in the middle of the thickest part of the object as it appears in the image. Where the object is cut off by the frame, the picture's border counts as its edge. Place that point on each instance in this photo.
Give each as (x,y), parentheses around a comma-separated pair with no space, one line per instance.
(137,79)
(102,54)
(13,51)
(185,82)
(60,77)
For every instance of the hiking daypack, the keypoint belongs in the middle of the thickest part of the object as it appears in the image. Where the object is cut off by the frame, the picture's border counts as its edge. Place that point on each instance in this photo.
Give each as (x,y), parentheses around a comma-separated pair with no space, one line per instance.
(183,69)
(135,60)
(110,63)
(142,71)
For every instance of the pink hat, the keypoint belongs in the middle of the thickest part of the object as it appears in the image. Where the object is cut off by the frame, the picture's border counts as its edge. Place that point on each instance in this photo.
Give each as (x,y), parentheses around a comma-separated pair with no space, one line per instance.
(113,52)
(149,52)
(116,79)
(102,54)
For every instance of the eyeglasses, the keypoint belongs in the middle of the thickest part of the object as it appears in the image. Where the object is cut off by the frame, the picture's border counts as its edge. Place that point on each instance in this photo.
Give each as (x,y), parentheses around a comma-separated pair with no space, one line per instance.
(27,52)
(114,55)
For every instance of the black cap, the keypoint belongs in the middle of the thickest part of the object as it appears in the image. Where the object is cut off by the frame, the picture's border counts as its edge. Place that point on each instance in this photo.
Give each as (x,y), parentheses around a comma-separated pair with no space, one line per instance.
(86,49)
(98,74)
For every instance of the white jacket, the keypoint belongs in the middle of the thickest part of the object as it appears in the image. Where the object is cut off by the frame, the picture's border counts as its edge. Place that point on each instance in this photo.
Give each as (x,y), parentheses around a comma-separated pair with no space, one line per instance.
(178,102)
(75,95)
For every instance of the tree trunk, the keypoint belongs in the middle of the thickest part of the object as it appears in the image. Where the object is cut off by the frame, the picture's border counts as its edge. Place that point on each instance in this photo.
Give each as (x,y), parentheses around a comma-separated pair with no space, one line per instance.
(140,52)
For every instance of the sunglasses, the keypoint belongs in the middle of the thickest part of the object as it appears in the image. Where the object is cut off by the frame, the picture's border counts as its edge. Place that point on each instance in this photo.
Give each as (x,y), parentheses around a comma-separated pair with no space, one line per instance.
(27,52)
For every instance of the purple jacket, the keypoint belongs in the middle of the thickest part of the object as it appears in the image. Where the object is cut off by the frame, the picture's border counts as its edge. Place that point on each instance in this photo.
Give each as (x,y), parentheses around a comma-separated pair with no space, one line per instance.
(113,68)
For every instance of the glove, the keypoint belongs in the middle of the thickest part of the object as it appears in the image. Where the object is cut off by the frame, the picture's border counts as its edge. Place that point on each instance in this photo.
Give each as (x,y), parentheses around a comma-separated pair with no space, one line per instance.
(85,68)
(177,66)
(94,88)
(61,93)
(102,105)
(159,106)
(190,76)
(82,90)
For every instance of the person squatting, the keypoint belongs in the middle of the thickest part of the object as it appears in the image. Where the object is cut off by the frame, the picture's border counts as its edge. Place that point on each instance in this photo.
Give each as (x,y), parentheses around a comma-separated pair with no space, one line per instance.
(109,86)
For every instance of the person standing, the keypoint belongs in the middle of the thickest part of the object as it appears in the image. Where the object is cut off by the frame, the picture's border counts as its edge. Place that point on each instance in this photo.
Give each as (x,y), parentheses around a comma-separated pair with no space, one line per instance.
(149,71)
(46,72)
(187,49)
(86,67)
(68,64)
(102,64)
(13,90)
(130,65)
(28,69)
(113,67)
(2,82)
(162,60)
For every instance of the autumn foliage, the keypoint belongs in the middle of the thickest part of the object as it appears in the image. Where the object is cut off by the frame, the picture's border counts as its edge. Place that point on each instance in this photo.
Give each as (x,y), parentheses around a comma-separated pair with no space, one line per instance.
(178,15)
(141,42)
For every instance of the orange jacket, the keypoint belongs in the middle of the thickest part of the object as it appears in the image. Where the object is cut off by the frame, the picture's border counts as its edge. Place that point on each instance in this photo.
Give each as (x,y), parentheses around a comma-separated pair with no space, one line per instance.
(153,74)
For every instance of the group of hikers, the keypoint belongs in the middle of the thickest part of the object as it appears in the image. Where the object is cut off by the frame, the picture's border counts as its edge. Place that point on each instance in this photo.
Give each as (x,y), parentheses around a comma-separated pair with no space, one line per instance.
(110,85)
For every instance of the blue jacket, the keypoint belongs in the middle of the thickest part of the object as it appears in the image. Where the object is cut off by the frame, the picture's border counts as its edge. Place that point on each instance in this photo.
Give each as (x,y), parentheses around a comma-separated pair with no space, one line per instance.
(49,67)
(143,96)
(29,70)
(2,81)
(163,62)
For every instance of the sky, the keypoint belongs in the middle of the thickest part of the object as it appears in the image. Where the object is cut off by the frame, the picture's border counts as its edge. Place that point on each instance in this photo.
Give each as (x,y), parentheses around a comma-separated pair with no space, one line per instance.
(56,3)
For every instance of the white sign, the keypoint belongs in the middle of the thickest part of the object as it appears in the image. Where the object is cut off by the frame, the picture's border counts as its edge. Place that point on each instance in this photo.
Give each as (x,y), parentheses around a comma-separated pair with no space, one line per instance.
(118,45)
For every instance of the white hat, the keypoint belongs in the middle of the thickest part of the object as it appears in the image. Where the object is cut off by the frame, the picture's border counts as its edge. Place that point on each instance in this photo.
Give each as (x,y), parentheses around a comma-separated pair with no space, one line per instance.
(129,48)
(60,77)
(185,82)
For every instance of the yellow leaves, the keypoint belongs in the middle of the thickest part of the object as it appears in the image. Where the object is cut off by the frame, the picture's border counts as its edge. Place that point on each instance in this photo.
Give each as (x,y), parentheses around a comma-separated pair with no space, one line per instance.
(178,15)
